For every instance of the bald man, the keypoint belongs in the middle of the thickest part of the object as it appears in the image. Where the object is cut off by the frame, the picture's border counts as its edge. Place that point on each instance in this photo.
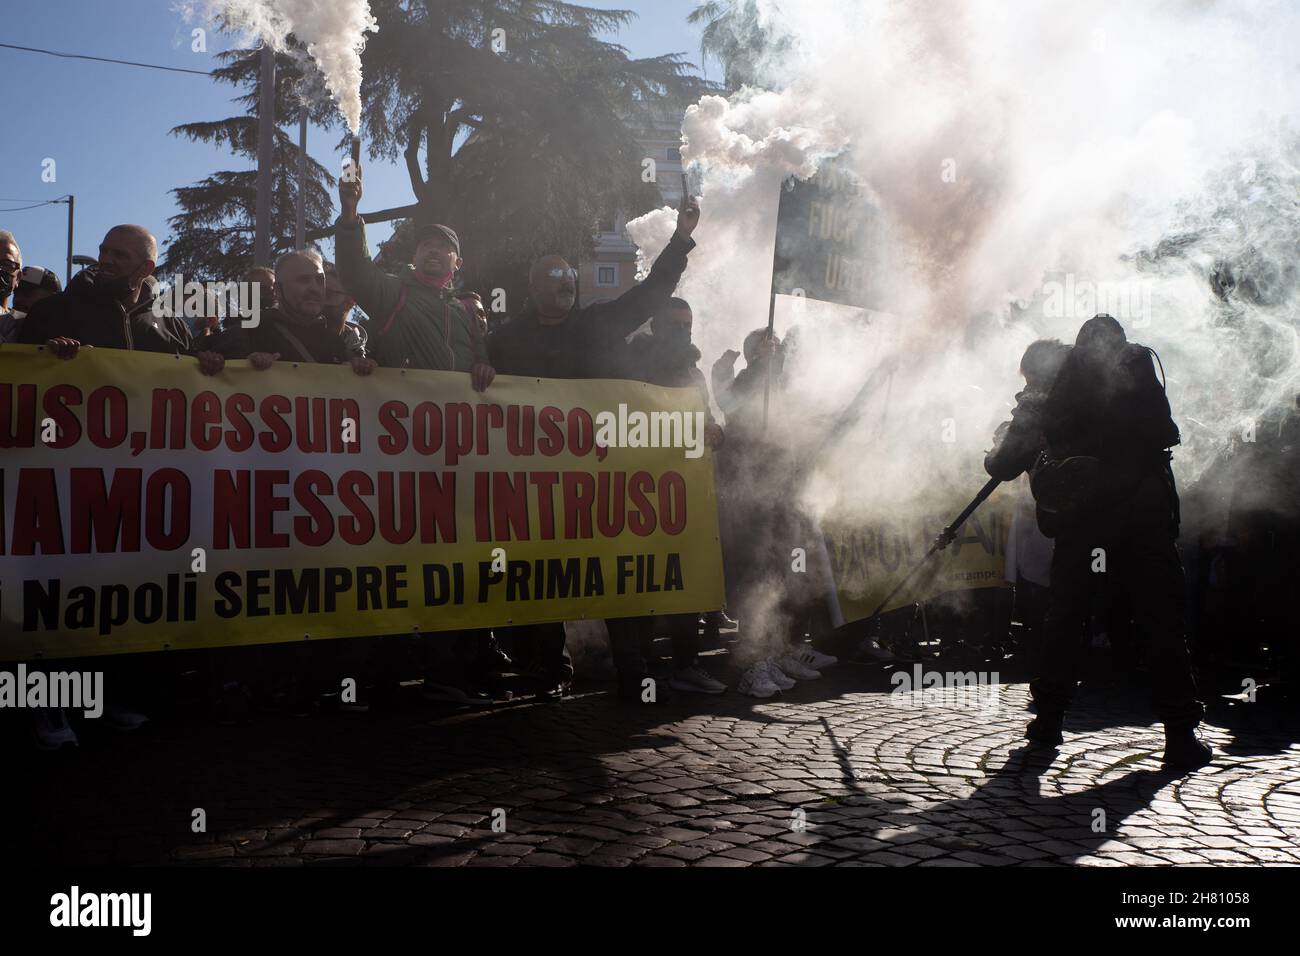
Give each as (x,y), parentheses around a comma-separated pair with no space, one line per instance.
(297,329)
(108,305)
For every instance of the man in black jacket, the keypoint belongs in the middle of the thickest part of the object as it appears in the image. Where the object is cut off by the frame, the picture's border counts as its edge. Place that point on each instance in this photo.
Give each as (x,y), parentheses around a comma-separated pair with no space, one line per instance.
(1108,413)
(554,337)
(1017,445)
(1018,441)
(294,331)
(109,305)
(667,357)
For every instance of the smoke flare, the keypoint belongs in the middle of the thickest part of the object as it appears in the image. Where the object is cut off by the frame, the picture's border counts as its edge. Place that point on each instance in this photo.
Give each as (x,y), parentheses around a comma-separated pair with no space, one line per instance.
(333,31)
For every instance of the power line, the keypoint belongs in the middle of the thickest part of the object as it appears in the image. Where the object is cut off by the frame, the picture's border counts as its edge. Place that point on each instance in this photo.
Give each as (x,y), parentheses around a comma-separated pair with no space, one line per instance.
(104,59)
(48,202)
(35,203)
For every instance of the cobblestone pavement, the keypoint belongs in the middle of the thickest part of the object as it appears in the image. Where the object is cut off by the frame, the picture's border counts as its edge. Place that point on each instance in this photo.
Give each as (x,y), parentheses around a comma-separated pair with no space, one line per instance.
(835,772)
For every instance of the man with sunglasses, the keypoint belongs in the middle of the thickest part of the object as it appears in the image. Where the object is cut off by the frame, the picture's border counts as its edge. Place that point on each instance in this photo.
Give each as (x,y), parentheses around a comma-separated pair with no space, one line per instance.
(554,337)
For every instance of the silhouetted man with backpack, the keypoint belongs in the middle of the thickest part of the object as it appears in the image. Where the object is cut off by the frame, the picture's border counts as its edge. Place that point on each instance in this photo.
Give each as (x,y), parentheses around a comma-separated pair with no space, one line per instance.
(1106,492)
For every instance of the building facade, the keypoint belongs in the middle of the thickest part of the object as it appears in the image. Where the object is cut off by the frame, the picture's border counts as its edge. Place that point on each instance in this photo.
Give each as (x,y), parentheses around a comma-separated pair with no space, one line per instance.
(613,269)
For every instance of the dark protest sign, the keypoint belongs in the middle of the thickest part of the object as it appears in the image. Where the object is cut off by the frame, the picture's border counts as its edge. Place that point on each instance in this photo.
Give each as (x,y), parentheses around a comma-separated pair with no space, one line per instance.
(827,244)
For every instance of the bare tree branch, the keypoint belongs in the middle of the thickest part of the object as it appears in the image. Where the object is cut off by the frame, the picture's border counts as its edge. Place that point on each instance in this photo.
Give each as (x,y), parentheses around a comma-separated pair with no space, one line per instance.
(383,215)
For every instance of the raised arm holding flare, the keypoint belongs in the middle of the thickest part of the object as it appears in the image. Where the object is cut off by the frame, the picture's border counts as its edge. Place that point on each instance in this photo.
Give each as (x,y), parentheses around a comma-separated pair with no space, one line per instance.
(417,319)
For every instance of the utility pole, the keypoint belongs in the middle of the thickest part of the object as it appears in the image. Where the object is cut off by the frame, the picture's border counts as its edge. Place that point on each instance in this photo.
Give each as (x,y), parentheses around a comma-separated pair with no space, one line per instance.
(300,226)
(265,160)
(72,202)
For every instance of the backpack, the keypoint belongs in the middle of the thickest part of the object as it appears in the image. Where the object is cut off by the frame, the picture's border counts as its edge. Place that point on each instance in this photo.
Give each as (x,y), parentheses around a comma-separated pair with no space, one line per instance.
(1063,489)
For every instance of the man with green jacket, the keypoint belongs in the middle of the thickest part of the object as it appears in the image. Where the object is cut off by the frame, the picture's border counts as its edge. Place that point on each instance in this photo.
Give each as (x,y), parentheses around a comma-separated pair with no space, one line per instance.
(416,317)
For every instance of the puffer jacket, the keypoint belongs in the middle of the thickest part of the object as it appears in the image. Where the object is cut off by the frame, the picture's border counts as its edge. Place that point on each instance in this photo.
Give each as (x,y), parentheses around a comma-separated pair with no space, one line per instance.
(87,313)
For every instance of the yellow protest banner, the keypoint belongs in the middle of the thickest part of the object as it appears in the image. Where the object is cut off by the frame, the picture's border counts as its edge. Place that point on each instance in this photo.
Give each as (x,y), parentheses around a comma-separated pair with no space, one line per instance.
(147,506)
(869,558)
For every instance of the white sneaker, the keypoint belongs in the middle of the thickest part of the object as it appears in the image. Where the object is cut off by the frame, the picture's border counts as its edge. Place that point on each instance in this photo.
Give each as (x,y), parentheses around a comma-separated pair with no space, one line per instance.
(809,656)
(119,718)
(791,666)
(756,682)
(695,680)
(52,729)
(778,677)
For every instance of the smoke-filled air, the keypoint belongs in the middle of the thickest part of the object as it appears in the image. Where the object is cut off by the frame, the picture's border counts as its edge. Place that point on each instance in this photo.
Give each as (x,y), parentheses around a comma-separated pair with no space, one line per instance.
(1032,164)
(333,32)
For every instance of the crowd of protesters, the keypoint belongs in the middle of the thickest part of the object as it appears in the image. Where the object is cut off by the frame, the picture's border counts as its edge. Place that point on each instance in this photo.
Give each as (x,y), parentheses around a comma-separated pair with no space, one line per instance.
(421,318)
(1097,401)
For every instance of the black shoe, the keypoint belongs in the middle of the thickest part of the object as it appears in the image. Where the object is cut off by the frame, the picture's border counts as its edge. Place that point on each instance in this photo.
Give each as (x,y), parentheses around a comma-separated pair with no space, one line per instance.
(550,683)
(555,689)
(493,660)
(1185,751)
(1045,729)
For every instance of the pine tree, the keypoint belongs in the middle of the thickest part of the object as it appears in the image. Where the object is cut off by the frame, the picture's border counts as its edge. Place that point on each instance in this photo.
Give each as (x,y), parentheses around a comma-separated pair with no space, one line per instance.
(517,123)
(738,38)
(212,235)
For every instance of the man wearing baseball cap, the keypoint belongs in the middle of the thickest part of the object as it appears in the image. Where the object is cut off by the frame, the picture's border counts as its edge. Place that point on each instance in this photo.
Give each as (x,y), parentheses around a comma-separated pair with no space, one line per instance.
(417,319)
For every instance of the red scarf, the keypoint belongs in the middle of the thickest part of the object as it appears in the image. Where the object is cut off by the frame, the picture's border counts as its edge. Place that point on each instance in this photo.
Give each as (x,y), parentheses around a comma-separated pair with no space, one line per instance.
(435,282)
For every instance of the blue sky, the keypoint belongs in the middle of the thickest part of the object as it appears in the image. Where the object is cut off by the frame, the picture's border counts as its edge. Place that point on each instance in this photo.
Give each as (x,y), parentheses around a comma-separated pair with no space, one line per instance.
(106,126)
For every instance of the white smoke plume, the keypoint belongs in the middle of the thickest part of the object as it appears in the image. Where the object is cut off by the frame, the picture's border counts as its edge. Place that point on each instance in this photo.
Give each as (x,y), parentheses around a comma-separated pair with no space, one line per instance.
(746,147)
(334,32)
(1011,145)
